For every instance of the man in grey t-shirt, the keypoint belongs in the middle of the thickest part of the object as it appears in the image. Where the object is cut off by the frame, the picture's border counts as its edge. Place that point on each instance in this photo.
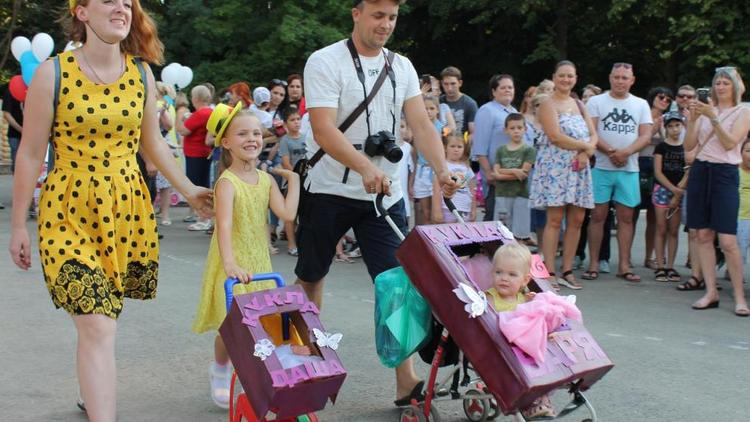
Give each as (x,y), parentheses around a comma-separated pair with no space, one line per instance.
(463,107)
(623,122)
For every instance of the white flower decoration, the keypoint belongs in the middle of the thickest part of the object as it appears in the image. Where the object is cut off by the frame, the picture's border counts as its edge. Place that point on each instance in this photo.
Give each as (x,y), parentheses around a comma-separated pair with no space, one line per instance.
(264,348)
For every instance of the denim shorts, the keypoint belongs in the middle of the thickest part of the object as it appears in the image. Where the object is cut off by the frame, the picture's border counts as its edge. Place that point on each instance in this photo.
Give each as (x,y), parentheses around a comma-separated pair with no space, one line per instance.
(620,186)
(713,197)
(328,217)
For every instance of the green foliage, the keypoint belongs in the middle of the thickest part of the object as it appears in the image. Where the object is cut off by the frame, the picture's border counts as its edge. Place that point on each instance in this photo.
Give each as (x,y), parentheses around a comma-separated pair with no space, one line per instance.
(224,41)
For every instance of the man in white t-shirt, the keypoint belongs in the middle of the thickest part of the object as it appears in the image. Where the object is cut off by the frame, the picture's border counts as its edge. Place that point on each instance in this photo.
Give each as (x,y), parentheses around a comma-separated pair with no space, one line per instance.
(623,122)
(342,185)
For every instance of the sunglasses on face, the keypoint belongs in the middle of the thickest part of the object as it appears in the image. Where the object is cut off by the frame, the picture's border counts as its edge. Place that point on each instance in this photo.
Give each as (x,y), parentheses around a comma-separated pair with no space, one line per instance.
(664,97)
(686,96)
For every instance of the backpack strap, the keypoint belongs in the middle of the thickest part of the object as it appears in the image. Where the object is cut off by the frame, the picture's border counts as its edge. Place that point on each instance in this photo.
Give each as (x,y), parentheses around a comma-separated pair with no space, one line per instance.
(56,97)
(144,78)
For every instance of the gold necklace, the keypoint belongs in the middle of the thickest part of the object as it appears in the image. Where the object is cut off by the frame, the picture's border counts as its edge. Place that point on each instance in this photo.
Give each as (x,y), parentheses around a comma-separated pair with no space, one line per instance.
(98,78)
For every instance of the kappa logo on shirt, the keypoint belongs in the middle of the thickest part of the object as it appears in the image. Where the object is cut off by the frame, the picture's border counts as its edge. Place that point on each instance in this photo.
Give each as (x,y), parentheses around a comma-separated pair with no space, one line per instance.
(620,122)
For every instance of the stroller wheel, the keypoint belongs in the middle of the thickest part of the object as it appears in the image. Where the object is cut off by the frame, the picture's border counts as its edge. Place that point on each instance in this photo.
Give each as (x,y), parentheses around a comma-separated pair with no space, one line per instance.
(476,410)
(494,410)
(434,415)
(412,414)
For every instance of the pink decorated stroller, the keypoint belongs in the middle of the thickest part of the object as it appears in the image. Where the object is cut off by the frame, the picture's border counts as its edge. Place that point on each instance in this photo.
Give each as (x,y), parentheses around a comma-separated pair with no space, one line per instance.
(498,375)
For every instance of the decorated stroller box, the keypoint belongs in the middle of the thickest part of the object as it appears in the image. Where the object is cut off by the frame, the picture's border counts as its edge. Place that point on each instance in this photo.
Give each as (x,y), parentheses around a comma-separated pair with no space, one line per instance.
(256,324)
(436,259)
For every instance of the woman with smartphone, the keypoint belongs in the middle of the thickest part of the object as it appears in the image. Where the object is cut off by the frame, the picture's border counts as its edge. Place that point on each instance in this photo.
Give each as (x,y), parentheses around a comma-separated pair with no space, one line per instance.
(717,129)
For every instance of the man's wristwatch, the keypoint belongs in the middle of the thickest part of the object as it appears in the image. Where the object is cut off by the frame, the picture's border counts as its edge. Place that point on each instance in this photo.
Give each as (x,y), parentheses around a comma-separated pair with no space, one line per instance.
(714,121)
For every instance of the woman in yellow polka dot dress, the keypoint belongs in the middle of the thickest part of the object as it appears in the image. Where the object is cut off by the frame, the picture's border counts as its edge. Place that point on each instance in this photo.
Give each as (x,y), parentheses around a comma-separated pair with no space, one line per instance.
(97,233)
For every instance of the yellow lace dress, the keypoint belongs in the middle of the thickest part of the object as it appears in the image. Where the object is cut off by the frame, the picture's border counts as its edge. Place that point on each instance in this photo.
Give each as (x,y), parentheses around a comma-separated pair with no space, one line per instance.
(249,244)
(97,232)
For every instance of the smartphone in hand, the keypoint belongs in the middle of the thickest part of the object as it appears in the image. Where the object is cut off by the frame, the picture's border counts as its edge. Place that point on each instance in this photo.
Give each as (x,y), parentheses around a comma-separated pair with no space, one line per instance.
(703,94)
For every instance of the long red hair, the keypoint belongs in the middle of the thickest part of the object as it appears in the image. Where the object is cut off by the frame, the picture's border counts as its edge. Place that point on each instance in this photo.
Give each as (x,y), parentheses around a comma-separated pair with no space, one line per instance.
(142,40)
(242,90)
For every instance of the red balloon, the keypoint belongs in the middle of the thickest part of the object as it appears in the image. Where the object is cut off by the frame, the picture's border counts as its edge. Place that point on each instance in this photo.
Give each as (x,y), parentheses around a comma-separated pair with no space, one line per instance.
(18,88)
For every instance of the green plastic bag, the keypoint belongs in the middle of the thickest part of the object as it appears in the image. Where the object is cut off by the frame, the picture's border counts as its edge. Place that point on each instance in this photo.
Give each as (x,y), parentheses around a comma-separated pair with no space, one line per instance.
(402,317)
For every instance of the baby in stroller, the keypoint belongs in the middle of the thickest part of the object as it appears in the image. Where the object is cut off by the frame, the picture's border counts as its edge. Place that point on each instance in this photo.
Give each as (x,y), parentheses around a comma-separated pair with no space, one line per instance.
(511,266)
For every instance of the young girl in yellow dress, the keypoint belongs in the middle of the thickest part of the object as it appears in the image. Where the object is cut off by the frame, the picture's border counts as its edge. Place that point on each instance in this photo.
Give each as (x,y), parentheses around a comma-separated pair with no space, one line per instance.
(239,246)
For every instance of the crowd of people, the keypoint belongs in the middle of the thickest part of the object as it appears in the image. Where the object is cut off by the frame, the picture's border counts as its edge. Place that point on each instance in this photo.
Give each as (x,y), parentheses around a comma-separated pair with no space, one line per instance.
(552,171)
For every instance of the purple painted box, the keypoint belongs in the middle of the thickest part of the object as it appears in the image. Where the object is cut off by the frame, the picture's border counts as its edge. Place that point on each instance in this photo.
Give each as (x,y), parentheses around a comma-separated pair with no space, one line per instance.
(434,257)
(269,386)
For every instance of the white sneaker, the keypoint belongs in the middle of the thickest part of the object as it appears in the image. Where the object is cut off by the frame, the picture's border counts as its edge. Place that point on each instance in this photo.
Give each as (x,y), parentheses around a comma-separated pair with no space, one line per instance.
(604,267)
(220,381)
(200,226)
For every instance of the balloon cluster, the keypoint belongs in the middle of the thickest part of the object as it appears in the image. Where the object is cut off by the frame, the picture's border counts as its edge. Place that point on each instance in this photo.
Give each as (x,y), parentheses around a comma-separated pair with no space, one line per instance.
(30,54)
(177,75)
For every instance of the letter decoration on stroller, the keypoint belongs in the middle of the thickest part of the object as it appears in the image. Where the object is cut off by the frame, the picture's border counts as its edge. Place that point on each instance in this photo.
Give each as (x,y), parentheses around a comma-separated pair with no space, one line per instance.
(282,355)
(450,267)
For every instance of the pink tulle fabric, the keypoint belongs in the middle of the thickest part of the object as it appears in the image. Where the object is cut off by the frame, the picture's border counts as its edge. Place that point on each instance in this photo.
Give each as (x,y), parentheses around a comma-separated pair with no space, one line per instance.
(530,323)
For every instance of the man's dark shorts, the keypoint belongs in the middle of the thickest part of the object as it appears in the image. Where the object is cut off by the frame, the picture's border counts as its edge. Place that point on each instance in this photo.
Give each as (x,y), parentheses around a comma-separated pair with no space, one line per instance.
(326,218)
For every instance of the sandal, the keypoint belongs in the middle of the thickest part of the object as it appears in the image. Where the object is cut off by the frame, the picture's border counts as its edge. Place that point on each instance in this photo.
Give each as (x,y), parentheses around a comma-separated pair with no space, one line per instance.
(220,381)
(629,276)
(342,257)
(416,394)
(540,408)
(673,275)
(590,275)
(650,263)
(552,280)
(566,281)
(741,310)
(689,285)
(660,275)
(293,252)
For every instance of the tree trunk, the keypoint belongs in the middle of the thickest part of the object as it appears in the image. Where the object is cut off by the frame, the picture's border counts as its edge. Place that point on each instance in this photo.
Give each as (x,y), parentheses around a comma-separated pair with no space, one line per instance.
(561,29)
(5,43)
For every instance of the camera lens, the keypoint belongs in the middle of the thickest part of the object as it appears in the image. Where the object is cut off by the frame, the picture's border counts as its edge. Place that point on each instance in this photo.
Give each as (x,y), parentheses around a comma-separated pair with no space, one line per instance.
(392,152)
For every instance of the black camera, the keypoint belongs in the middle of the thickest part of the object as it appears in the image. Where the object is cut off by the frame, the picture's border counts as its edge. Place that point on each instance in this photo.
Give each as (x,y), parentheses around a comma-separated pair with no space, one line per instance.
(703,94)
(383,143)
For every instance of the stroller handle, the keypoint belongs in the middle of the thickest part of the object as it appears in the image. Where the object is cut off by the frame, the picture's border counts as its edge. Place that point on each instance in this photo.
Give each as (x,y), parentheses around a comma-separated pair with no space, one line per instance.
(231,282)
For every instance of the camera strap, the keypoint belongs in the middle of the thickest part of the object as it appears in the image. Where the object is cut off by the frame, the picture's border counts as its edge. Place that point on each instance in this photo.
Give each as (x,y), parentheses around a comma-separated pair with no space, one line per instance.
(386,72)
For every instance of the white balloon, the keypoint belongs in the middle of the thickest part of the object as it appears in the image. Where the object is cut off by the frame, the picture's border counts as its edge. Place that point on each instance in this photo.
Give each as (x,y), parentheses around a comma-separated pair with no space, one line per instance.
(185,77)
(170,74)
(42,46)
(19,45)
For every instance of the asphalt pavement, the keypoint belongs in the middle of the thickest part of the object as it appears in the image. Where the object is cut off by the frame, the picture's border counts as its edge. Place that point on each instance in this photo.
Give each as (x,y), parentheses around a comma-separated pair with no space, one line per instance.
(672,363)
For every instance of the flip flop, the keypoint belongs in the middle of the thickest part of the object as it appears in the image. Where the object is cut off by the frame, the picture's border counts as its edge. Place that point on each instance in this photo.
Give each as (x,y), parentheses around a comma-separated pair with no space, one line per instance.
(590,275)
(416,394)
(629,276)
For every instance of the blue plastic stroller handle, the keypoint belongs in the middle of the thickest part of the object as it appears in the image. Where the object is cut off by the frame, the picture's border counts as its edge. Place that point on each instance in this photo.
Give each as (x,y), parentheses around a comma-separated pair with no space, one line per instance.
(231,282)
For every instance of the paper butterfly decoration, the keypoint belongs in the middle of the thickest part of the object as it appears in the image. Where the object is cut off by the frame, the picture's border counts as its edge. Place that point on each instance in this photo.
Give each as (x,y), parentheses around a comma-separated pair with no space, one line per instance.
(476,302)
(264,348)
(326,339)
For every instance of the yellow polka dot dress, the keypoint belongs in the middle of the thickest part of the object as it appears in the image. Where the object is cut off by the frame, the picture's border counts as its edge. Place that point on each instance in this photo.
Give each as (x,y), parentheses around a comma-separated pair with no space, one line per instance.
(97,231)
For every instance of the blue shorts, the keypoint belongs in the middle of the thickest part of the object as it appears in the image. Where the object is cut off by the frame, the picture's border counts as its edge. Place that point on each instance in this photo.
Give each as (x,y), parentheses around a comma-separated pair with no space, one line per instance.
(326,218)
(713,197)
(620,186)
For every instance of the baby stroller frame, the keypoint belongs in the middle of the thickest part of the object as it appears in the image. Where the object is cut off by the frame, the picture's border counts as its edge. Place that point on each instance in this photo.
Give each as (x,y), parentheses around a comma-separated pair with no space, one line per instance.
(479,403)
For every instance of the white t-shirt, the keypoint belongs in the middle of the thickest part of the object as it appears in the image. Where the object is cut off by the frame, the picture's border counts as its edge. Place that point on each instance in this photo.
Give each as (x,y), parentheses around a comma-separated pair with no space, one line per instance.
(265,117)
(618,122)
(331,82)
(405,166)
